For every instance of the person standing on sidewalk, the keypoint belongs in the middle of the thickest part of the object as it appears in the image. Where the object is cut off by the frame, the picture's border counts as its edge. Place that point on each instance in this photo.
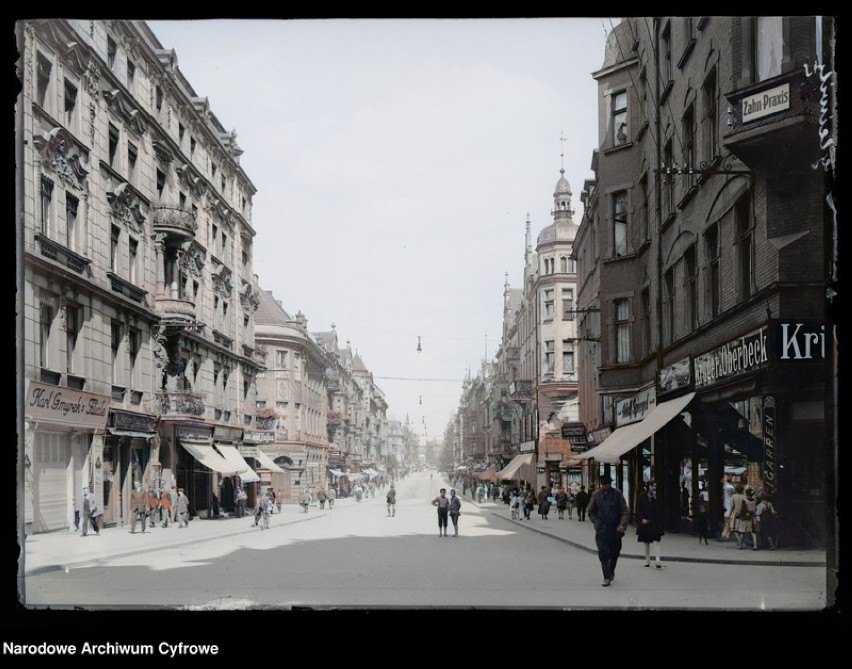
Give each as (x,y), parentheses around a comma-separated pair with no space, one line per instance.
(455,511)
(90,507)
(332,495)
(166,506)
(182,509)
(443,505)
(138,507)
(609,513)
(543,502)
(650,527)
(321,498)
(582,501)
(391,499)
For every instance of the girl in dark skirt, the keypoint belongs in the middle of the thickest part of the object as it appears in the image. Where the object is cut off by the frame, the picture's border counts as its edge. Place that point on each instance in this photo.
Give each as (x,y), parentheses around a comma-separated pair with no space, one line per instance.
(649,523)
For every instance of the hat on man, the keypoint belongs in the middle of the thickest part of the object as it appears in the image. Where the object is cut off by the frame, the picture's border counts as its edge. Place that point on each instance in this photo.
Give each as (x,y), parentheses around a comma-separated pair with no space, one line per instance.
(605,479)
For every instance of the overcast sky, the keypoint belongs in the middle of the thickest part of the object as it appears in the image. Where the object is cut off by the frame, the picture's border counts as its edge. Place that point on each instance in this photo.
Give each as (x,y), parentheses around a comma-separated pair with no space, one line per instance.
(395,163)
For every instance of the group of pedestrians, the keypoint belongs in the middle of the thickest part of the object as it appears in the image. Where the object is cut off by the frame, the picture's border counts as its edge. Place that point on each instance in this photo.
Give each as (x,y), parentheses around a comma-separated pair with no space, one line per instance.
(152,506)
(448,508)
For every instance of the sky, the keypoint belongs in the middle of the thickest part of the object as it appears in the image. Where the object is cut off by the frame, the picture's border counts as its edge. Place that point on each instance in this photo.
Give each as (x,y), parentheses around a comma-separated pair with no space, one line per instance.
(396,162)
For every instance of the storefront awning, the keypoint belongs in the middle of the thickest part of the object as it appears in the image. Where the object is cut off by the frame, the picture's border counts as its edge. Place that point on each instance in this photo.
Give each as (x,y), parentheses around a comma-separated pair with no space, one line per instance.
(508,472)
(204,453)
(238,465)
(630,436)
(335,472)
(268,463)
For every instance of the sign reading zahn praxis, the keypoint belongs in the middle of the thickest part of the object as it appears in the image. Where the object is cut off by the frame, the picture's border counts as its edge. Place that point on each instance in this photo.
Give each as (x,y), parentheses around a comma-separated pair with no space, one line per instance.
(766,102)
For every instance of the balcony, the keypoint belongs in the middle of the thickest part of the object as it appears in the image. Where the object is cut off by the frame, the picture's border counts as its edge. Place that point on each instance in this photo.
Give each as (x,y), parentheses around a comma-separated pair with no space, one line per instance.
(175,221)
(180,403)
(175,309)
(61,254)
(124,287)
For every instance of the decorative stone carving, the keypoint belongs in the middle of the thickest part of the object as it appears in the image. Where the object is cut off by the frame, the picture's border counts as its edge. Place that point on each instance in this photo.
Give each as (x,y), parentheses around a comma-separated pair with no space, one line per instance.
(60,153)
(192,260)
(222,281)
(128,207)
(123,108)
(249,299)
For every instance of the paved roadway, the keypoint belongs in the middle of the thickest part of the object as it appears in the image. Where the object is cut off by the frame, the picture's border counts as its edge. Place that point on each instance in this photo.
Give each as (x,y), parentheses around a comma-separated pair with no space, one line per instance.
(356,557)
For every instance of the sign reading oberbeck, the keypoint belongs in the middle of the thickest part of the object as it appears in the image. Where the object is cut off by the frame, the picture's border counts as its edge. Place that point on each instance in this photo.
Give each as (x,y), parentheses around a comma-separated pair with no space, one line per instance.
(768,102)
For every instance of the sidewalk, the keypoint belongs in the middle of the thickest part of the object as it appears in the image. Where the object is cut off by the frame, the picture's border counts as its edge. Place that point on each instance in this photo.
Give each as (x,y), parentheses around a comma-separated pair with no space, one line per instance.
(675,547)
(62,549)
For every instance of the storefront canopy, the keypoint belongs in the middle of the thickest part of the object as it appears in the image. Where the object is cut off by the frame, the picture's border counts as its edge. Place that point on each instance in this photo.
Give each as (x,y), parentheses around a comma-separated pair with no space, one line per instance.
(267,462)
(238,465)
(205,454)
(509,471)
(335,472)
(630,436)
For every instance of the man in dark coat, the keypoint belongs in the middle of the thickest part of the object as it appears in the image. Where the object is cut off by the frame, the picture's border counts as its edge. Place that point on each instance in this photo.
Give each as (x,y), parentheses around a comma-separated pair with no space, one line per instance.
(582,501)
(609,513)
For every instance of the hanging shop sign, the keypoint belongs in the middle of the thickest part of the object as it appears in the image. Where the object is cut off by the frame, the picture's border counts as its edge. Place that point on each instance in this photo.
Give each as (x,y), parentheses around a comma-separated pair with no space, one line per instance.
(527,446)
(44,402)
(634,409)
(133,422)
(799,341)
(575,433)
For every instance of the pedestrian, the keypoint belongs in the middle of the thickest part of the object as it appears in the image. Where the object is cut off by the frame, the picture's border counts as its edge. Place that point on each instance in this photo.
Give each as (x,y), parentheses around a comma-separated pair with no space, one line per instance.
(182,508)
(270,492)
(138,507)
(263,511)
(443,505)
(322,497)
(581,499)
(88,517)
(684,501)
(174,494)
(166,507)
(528,503)
(332,495)
(306,499)
(743,510)
(514,504)
(153,500)
(543,502)
(455,511)
(391,500)
(609,513)
(242,500)
(649,528)
(702,521)
(572,501)
(766,518)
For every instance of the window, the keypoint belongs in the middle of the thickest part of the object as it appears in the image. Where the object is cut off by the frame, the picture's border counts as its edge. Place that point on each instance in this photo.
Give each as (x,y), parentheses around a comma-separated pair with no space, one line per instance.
(644,221)
(281,359)
(133,261)
(191,146)
(709,94)
(134,345)
(71,206)
(563,264)
(619,118)
(70,104)
(668,306)
(132,154)
(158,97)
(548,304)
(161,182)
(115,236)
(646,321)
(619,218)
(691,267)
(112,50)
(115,346)
(689,146)
(567,304)
(46,208)
(666,57)
(113,144)
(567,357)
(245,258)
(45,325)
(181,131)
(768,46)
(131,74)
(213,169)
(668,182)
(745,247)
(622,331)
(43,69)
(714,276)
(548,356)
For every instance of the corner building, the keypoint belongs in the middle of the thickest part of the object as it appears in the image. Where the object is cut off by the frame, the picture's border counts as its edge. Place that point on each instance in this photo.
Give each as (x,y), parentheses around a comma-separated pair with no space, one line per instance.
(705,261)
